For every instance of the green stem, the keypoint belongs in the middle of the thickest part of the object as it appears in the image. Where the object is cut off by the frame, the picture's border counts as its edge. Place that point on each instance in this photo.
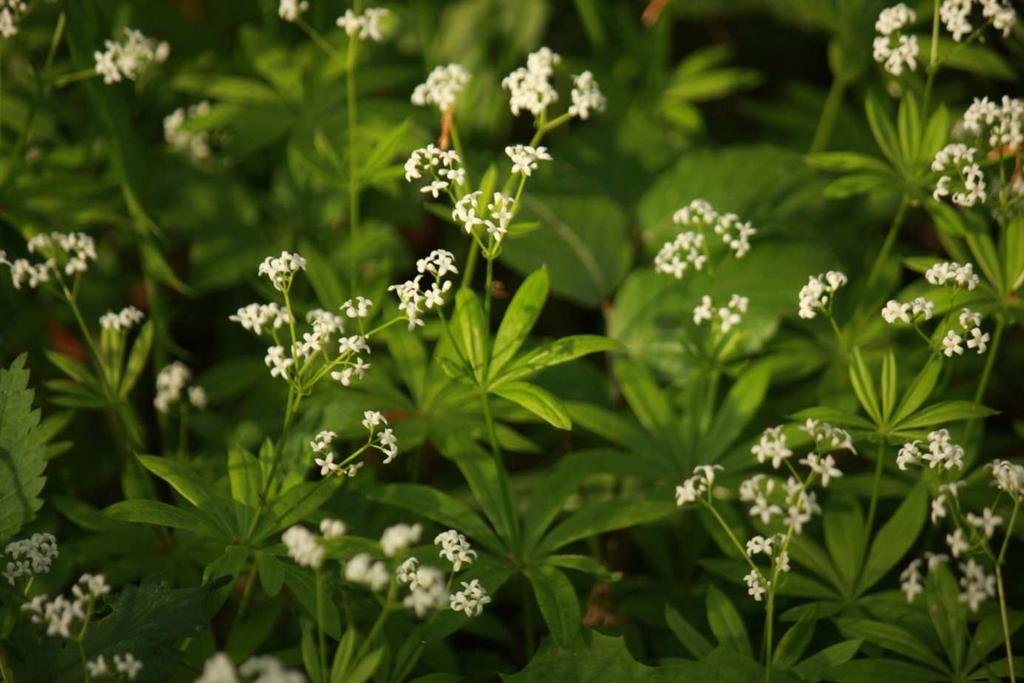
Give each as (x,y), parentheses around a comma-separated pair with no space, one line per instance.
(769,618)
(890,240)
(470,266)
(353,182)
(829,113)
(499,464)
(732,537)
(488,285)
(243,604)
(320,620)
(876,484)
(378,624)
(986,375)
(289,414)
(5,669)
(933,64)
(315,36)
(1005,619)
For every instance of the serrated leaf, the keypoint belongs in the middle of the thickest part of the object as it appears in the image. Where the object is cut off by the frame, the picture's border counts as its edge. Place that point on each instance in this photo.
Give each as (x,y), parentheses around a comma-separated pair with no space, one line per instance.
(22,452)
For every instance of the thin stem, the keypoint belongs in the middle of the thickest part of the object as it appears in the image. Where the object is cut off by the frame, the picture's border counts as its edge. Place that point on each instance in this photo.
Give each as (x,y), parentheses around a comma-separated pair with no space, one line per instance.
(499,464)
(74,77)
(986,375)
(732,537)
(769,618)
(933,64)
(890,239)
(470,266)
(243,604)
(353,180)
(829,113)
(320,619)
(320,41)
(1005,619)
(488,285)
(876,484)
(378,624)
(5,670)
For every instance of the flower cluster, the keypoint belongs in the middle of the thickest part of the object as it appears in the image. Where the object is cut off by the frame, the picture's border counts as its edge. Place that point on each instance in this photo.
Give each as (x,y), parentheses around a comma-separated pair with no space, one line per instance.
(956,15)
(261,669)
(977,585)
(911,577)
(385,442)
(412,294)
(455,548)
(524,158)
(129,59)
(61,615)
(428,588)
(363,570)
(443,86)
(942,453)
(67,252)
(124,664)
(530,87)
(962,276)
(828,438)
(123,320)
(586,96)
(254,317)
(280,270)
(30,556)
(443,165)
(893,48)
(1000,126)
(1008,477)
(171,382)
(195,144)
(966,185)
(291,10)
(691,248)
(494,218)
(817,295)
(11,14)
(969,322)
(774,547)
(303,547)
(366,26)
(397,538)
(471,599)
(772,446)
(724,317)
(917,310)
(695,486)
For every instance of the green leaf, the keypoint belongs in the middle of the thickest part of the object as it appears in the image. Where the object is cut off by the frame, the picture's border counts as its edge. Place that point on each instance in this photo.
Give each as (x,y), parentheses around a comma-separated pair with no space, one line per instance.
(557,601)
(136,359)
(648,402)
(882,130)
(737,409)
(987,255)
(271,572)
(1014,264)
(585,564)
(947,411)
(919,390)
(795,641)
(690,638)
(538,401)
(73,369)
(908,121)
(895,538)
(889,385)
(893,638)
(22,451)
(598,518)
(864,386)
(845,537)
(366,667)
(295,504)
(812,668)
(193,488)
(161,514)
(726,623)
(226,88)
(519,319)
(246,481)
(554,353)
(949,617)
(469,330)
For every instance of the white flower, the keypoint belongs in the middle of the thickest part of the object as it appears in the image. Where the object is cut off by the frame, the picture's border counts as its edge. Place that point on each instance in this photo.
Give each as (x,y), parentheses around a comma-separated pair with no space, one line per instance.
(278,363)
(11,13)
(399,537)
(942,453)
(823,466)
(30,556)
(962,276)
(586,96)
(910,580)
(977,585)
(957,543)
(530,86)
(281,269)
(702,479)
(254,317)
(894,311)
(124,320)
(987,521)
(471,599)
(891,47)
(170,383)
(127,664)
(951,344)
(303,547)
(772,446)
(91,587)
(97,667)
(129,59)
(365,26)
(327,465)
(686,250)
(827,437)
(387,443)
(759,544)
(373,419)
(442,87)
(363,570)
(192,143)
(291,10)
(757,585)
(1007,477)
(524,158)
(455,548)
(816,296)
(218,669)
(438,263)
(908,455)
(332,528)
(427,590)
(946,491)
(969,181)
(978,340)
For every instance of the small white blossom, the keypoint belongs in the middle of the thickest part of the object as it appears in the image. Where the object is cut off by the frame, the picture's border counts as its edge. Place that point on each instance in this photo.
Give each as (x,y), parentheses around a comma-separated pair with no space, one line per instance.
(1008,477)
(30,556)
(427,591)
(471,599)
(455,548)
(957,543)
(192,143)
(170,383)
(892,48)
(303,547)
(291,10)
(967,187)
(443,86)
(757,585)
(11,14)
(399,537)
(281,269)
(363,570)
(586,96)
(129,59)
(366,26)
(332,528)
(128,665)
(960,275)
(987,521)
(524,158)
(691,489)
(977,585)
(530,87)
(816,296)
(823,466)
(951,344)
(123,320)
